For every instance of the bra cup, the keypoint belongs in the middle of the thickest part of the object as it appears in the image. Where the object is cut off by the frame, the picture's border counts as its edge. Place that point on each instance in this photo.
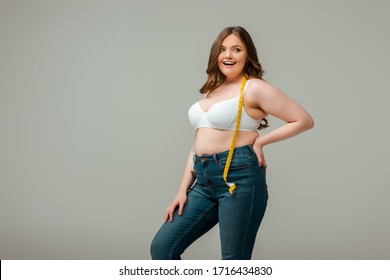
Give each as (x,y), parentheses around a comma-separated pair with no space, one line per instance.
(223,114)
(195,114)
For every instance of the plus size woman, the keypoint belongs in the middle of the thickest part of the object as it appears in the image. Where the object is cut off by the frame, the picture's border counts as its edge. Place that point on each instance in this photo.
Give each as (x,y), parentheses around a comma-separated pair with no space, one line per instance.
(224,178)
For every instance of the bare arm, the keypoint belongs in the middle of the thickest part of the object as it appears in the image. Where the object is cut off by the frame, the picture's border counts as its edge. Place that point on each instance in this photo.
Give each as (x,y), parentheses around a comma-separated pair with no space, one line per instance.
(274,102)
(181,197)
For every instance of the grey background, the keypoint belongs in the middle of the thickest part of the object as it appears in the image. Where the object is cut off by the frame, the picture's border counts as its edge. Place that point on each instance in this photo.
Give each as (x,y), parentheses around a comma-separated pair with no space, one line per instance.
(94,128)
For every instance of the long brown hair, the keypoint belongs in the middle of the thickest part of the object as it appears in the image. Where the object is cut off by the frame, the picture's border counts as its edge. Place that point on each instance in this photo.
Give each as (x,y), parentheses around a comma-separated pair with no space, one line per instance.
(252,68)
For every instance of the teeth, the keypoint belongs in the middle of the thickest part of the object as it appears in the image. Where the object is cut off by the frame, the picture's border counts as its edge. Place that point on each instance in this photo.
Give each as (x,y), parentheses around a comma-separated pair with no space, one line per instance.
(229,63)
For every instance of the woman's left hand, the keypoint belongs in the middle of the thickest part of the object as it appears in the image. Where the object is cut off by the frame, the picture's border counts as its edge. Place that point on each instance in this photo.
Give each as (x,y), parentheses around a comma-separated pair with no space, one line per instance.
(258,148)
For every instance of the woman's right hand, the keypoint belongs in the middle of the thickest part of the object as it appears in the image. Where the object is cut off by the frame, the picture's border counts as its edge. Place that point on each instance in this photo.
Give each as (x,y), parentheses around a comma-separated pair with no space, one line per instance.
(179,201)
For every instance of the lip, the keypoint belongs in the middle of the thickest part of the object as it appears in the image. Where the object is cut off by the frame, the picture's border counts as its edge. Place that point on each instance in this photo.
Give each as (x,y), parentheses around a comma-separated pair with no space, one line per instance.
(228,63)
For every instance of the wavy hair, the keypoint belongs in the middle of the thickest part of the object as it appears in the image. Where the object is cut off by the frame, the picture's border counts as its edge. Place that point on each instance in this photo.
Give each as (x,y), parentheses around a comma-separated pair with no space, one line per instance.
(252,67)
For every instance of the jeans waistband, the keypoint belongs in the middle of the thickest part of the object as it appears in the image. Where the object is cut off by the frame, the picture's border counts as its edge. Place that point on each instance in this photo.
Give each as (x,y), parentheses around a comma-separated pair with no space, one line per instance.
(247,149)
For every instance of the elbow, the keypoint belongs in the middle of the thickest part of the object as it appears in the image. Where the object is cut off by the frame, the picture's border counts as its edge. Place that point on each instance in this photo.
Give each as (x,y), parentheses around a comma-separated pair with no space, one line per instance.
(305,123)
(309,123)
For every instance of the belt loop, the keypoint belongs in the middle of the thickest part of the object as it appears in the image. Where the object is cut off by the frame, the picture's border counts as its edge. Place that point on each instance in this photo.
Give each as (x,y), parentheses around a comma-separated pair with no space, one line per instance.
(215,158)
(251,147)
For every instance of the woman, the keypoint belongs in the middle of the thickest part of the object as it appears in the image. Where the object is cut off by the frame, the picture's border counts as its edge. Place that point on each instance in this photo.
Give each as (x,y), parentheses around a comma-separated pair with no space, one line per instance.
(237,201)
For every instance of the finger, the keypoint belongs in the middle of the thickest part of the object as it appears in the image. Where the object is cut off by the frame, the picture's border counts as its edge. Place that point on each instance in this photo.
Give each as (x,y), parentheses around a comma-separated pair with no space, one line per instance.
(181,208)
(166,215)
(260,160)
(171,214)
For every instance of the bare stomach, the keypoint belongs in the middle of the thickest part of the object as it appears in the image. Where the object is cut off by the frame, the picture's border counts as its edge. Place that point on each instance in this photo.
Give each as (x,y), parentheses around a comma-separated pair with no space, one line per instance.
(211,141)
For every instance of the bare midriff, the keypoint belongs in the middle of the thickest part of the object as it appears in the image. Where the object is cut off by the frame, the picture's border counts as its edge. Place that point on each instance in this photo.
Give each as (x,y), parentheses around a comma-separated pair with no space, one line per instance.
(211,141)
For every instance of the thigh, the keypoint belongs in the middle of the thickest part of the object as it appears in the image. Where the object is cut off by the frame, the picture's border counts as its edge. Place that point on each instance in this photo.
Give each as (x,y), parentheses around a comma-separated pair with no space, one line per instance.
(240,214)
(199,216)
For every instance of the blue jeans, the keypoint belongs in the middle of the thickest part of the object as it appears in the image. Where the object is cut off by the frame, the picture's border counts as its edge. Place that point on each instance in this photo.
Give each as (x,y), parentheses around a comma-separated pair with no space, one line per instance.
(209,202)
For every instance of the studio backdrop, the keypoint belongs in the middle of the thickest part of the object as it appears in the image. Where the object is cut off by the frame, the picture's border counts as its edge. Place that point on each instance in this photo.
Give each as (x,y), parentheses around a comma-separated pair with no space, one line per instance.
(94,132)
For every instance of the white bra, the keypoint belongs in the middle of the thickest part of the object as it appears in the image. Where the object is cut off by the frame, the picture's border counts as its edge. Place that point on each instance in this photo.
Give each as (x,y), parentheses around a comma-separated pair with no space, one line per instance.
(222,115)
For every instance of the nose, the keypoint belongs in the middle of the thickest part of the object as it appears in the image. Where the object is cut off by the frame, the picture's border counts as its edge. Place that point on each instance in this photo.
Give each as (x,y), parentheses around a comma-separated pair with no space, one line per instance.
(228,54)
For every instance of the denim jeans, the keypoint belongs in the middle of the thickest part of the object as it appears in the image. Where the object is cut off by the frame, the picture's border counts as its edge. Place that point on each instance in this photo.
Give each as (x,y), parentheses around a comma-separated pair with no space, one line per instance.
(209,202)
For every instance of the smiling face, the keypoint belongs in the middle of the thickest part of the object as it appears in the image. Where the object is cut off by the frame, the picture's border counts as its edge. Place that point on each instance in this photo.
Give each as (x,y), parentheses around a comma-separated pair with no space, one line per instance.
(243,58)
(232,57)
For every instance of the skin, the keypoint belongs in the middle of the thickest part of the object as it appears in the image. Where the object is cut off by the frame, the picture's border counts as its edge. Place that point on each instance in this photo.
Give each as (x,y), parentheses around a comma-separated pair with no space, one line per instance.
(261,99)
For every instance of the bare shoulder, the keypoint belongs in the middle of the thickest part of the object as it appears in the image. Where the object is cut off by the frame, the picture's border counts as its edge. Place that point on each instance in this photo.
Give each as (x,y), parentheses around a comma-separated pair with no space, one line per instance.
(261,93)
(259,88)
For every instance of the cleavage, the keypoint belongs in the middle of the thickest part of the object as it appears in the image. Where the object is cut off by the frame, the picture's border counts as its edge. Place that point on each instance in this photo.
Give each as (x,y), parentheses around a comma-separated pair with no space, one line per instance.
(222,100)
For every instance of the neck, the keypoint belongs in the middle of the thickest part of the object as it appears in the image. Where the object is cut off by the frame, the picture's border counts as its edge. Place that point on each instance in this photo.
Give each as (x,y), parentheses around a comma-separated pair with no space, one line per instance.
(234,80)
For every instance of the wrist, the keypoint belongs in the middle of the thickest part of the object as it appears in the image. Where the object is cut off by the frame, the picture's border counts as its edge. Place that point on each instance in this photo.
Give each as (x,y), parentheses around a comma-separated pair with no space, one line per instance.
(259,143)
(182,192)
(183,189)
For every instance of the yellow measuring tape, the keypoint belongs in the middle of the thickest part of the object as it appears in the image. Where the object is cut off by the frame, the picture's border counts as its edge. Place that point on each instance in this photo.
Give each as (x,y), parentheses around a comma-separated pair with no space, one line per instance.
(232,186)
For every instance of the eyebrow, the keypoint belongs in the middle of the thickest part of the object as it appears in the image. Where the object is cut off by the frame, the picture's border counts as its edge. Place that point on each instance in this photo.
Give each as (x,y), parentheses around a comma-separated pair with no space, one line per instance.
(235,46)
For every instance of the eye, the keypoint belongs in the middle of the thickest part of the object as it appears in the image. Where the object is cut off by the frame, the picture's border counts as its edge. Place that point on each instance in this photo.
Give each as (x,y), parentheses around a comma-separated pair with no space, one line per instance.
(237,50)
(222,49)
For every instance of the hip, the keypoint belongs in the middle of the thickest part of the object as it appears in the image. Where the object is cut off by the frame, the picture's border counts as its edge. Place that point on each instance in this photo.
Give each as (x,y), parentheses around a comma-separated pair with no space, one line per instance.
(244,169)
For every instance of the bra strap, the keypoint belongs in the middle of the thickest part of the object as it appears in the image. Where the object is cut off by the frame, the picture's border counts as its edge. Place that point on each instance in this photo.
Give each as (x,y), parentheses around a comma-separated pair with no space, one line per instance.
(246,85)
